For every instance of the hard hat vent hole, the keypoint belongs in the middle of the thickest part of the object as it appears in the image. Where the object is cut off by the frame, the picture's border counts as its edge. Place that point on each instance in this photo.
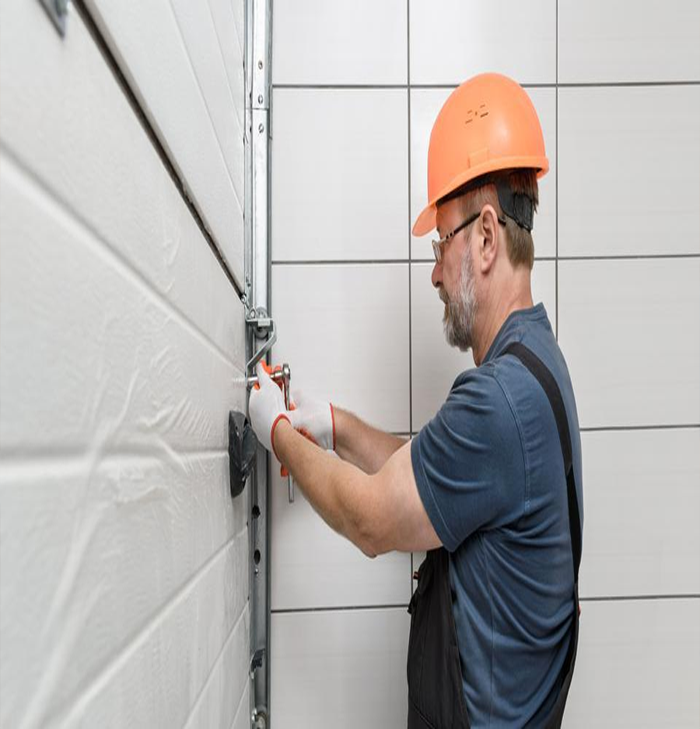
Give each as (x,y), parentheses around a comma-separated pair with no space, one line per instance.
(479,113)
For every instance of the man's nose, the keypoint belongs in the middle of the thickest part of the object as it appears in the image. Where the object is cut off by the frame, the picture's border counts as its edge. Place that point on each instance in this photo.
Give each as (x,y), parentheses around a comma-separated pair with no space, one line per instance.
(436,276)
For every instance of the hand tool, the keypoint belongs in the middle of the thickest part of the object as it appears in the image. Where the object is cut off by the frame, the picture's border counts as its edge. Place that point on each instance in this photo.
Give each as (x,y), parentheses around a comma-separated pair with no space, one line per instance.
(282,375)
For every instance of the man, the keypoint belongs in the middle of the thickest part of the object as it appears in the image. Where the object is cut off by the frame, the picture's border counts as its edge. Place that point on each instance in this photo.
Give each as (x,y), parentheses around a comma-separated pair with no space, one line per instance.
(492,485)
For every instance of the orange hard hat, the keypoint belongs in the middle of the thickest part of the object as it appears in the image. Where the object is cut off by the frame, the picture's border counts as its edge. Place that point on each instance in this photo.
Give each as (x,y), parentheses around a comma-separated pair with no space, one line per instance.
(487,124)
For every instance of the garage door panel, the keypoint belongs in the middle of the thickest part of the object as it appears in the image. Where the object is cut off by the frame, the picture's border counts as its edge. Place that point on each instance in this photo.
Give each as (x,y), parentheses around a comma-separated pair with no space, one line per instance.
(221,88)
(93,358)
(187,107)
(81,140)
(157,679)
(231,40)
(111,540)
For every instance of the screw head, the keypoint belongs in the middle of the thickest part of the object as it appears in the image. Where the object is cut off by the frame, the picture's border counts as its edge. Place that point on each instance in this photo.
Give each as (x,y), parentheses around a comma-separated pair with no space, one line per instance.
(261,128)
(260,65)
(260,98)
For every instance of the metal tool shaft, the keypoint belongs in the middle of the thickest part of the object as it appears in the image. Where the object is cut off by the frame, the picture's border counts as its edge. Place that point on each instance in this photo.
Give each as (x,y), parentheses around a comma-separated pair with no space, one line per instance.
(285,376)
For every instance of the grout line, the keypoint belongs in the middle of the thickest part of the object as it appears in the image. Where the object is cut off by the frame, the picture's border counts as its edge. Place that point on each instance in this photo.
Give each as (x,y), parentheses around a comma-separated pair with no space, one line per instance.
(340,262)
(410,299)
(545,85)
(628,598)
(602,598)
(631,428)
(556,258)
(132,100)
(556,175)
(623,84)
(337,609)
(631,257)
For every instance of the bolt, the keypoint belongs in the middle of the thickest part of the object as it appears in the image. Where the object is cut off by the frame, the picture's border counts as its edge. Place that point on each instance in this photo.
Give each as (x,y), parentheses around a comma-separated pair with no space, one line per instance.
(261,128)
(260,65)
(260,98)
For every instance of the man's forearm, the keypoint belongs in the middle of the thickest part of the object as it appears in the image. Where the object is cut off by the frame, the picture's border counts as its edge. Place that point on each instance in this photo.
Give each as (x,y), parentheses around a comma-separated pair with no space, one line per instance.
(362,445)
(338,491)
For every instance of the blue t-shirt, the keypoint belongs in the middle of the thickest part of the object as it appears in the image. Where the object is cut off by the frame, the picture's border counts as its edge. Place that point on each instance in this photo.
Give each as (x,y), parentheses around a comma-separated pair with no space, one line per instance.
(490,473)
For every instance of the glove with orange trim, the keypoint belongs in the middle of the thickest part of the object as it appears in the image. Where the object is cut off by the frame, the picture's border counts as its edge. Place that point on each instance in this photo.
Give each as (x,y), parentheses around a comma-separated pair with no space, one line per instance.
(266,408)
(314,419)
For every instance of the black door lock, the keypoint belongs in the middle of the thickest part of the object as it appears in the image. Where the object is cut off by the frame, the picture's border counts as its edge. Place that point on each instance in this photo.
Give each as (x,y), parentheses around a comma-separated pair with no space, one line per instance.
(242,446)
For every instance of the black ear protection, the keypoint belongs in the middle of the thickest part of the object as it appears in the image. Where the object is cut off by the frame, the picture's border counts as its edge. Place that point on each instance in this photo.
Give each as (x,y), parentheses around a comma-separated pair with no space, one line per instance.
(515,205)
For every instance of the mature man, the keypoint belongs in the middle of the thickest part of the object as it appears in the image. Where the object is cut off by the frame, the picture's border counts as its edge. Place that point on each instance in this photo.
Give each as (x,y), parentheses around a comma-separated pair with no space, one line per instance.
(492,485)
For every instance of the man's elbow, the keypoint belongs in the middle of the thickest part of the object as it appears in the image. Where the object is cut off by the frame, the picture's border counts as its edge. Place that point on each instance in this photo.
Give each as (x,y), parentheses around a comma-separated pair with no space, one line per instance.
(372,541)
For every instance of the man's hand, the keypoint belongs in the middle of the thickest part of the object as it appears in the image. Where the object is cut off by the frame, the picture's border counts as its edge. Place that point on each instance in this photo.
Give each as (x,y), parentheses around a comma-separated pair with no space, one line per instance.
(314,419)
(266,408)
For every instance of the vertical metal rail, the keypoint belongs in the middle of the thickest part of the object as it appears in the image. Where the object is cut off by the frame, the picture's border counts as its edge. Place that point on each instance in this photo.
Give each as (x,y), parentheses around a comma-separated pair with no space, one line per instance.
(258,56)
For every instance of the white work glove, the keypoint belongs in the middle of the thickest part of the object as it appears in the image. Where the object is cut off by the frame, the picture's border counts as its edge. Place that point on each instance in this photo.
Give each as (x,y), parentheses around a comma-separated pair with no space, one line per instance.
(315,419)
(266,408)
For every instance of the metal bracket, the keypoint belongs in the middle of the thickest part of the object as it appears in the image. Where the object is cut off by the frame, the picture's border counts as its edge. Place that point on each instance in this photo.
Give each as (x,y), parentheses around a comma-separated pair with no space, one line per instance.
(58,12)
(261,326)
(258,55)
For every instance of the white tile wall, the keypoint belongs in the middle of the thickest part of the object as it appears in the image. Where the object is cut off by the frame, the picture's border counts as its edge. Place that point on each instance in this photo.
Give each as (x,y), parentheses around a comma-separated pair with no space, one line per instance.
(344,331)
(346,42)
(314,567)
(453,40)
(642,503)
(623,140)
(435,363)
(637,666)
(425,105)
(339,170)
(345,668)
(124,561)
(629,170)
(630,331)
(608,41)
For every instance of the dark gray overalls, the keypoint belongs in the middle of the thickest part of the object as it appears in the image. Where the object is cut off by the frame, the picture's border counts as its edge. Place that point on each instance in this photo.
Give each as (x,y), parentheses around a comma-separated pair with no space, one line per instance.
(435,694)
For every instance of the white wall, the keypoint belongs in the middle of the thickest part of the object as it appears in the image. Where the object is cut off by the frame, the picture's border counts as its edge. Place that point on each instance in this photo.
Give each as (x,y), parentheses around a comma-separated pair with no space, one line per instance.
(123,560)
(356,88)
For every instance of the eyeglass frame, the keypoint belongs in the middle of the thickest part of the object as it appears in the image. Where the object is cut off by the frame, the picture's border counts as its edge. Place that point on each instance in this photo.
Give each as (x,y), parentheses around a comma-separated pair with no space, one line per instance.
(438,245)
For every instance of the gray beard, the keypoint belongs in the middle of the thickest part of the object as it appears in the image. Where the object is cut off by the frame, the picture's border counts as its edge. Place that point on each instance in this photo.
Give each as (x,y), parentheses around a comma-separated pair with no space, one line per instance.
(459,315)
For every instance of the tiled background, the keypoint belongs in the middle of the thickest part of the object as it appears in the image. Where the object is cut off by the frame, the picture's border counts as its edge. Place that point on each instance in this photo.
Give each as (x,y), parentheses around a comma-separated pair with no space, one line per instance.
(356,88)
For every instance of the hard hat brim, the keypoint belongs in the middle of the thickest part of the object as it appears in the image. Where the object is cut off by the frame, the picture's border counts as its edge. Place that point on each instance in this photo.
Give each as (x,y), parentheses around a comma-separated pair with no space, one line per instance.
(426,221)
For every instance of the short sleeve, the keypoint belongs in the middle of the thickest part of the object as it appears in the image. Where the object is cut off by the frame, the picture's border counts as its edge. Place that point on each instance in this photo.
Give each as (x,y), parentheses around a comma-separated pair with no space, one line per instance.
(468,461)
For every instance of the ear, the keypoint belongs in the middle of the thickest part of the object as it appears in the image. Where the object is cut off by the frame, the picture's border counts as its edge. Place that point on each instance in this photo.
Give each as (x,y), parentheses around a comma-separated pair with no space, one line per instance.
(490,238)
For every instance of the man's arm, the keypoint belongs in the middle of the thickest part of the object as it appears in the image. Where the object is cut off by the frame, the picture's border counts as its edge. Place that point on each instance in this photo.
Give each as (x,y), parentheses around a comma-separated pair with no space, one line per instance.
(362,445)
(377,512)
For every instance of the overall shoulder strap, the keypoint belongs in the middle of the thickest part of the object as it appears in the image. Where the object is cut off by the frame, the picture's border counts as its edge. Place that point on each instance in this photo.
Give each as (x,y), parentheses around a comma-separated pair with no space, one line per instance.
(538,369)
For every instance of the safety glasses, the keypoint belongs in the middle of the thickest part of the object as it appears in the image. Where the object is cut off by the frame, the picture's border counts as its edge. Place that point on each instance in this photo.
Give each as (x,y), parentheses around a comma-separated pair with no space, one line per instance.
(439,245)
